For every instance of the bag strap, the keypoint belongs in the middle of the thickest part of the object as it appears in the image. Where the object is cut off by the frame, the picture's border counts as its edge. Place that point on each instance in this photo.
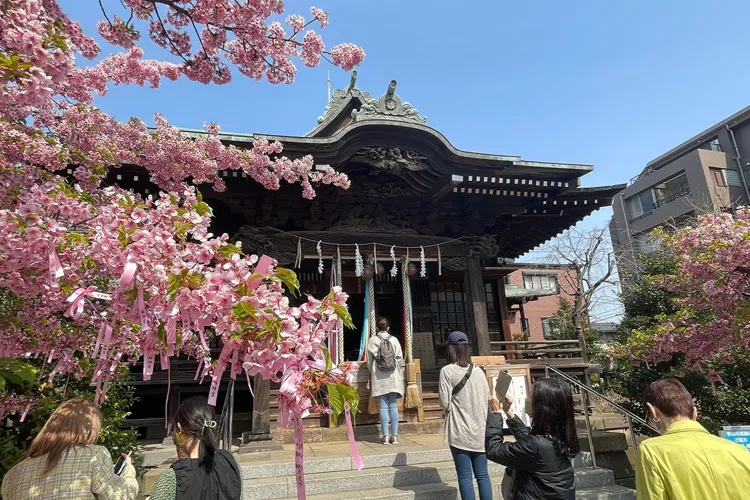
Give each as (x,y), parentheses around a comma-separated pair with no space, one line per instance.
(457,388)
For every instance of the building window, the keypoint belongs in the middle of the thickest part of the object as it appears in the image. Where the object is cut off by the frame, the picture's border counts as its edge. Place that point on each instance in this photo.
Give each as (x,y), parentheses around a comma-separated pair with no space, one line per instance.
(715,145)
(733,178)
(641,204)
(541,282)
(447,301)
(717,175)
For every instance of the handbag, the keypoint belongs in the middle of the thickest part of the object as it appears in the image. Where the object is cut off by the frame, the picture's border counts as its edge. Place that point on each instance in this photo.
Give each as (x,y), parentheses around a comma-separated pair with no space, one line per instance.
(507,487)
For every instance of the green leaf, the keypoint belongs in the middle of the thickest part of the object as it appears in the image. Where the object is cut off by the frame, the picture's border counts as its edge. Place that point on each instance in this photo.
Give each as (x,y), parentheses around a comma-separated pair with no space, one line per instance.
(351,396)
(289,278)
(343,313)
(242,311)
(174,283)
(226,251)
(327,357)
(336,400)
(2,383)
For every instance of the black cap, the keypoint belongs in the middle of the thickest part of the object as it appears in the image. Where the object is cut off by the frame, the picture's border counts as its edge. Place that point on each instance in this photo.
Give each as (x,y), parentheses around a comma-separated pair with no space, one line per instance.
(457,338)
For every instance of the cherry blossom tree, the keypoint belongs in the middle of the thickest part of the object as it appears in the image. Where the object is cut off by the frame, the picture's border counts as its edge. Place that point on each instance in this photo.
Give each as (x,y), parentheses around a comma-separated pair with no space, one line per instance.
(711,321)
(96,272)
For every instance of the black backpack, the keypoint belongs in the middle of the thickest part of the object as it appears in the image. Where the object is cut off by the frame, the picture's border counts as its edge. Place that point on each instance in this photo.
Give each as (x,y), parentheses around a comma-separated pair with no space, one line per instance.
(386,359)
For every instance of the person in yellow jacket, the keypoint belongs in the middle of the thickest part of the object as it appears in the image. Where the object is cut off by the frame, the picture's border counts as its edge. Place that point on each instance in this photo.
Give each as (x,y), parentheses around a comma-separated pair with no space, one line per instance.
(687,462)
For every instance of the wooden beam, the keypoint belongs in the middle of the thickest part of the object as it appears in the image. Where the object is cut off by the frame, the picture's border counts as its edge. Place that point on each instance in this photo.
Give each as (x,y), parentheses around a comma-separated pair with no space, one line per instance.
(441,190)
(478,301)
(261,423)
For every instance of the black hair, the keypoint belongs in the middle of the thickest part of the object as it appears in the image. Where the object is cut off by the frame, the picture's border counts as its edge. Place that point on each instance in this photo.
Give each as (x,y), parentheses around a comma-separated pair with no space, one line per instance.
(382,324)
(553,414)
(197,420)
(458,353)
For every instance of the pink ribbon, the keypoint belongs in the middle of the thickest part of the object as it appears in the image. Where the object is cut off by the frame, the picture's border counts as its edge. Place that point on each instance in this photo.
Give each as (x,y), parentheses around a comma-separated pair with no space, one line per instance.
(299,462)
(55,268)
(164,361)
(25,411)
(149,357)
(358,463)
(106,341)
(213,392)
(76,300)
(233,373)
(166,401)
(142,309)
(102,331)
(198,371)
(262,268)
(128,273)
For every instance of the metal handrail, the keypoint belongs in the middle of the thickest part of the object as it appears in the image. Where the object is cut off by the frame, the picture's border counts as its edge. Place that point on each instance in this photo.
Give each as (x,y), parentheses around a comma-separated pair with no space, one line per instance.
(589,391)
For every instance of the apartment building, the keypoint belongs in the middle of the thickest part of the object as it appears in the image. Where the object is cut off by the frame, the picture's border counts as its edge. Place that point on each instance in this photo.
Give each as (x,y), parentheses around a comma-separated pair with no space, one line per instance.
(709,172)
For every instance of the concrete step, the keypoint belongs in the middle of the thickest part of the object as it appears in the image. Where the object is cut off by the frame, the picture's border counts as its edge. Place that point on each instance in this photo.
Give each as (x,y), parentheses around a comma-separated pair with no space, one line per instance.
(399,477)
(321,465)
(449,491)
(610,492)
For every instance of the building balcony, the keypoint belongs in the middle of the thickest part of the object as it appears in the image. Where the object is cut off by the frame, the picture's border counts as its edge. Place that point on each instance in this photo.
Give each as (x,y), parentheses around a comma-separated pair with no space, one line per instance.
(660,202)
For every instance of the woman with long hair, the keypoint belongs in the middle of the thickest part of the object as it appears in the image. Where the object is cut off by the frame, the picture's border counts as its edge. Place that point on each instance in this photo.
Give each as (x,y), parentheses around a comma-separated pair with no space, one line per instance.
(64,462)
(385,360)
(202,471)
(464,397)
(540,461)
(686,462)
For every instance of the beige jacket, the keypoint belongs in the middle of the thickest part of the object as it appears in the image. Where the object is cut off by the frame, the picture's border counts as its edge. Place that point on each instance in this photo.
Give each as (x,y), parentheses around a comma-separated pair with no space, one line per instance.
(382,383)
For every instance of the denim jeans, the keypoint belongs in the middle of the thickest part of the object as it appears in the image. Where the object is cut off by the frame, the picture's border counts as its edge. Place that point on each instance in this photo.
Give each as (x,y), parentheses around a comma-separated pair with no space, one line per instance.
(467,462)
(388,408)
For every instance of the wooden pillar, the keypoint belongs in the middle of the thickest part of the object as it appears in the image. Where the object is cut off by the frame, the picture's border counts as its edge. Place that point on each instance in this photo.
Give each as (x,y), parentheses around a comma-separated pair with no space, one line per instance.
(261,423)
(478,301)
(504,315)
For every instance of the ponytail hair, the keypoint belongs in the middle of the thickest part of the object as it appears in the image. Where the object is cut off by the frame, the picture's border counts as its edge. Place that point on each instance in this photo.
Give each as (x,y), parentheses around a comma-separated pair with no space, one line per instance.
(197,421)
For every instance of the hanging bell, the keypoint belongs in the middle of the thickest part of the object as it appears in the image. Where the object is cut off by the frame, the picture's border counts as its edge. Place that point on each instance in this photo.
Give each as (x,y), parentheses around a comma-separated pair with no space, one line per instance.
(380,269)
(368,272)
(412,269)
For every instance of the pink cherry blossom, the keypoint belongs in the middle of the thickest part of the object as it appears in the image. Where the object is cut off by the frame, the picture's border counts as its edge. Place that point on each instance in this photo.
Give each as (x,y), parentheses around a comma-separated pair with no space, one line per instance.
(110,275)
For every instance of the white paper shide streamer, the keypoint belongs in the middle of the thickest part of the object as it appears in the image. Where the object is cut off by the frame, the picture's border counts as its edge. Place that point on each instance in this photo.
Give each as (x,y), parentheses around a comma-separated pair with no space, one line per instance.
(423,264)
(359,264)
(320,258)
(394,269)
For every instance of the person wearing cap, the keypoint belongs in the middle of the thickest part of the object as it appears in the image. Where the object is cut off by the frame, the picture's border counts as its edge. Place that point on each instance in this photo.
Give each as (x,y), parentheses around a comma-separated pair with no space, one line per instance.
(464,397)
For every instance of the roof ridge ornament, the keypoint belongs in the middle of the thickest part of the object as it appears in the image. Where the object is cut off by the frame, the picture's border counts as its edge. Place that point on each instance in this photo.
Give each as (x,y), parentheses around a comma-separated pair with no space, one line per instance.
(389,106)
(339,97)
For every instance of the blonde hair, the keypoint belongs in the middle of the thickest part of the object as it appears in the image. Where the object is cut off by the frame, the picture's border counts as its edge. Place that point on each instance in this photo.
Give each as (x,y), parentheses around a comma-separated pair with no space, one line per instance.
(76,422)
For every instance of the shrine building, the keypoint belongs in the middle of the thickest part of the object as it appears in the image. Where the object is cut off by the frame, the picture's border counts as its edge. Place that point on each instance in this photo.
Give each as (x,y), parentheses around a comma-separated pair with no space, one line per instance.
(452,221)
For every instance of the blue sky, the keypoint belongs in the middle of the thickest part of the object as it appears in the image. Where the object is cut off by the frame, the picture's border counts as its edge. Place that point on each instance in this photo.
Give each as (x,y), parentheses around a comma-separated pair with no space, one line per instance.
(613,84)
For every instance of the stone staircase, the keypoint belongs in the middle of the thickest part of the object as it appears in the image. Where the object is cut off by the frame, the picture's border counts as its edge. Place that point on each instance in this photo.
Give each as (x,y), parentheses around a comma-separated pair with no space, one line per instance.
(394,475)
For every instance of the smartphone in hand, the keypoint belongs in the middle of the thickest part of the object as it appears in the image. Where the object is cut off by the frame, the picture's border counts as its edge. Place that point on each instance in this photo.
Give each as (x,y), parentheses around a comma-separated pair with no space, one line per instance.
(502,385)
(120,464)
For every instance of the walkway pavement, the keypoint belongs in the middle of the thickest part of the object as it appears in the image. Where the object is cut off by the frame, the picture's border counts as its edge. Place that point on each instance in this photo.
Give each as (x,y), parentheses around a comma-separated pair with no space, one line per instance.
(161,454)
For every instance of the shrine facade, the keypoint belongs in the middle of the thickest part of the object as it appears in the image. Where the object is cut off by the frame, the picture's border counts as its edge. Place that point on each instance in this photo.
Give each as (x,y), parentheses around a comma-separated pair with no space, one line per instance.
(452,222)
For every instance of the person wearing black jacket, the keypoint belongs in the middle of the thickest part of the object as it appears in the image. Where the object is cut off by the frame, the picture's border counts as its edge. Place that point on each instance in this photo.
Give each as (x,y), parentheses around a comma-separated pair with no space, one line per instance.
(540,461)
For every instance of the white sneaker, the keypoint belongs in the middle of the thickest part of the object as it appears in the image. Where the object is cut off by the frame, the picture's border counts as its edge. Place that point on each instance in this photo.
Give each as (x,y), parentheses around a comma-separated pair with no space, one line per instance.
(394,440)
(385,440)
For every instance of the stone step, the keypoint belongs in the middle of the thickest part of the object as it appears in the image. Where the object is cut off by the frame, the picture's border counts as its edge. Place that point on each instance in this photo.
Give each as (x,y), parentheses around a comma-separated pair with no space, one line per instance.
(283,468)
(449,491)
(399,477)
